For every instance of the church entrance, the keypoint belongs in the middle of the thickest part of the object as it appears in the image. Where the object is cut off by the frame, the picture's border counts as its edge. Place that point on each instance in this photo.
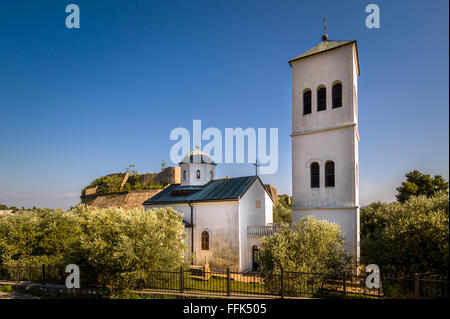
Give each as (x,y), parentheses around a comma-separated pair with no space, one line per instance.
(255,255)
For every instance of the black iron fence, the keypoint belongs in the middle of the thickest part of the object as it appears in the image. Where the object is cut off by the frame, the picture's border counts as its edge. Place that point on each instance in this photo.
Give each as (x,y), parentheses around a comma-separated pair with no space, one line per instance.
(283,284)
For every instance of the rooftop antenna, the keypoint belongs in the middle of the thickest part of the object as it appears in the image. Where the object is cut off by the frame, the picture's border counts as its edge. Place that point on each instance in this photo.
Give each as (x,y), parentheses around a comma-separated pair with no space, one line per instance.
(325,35)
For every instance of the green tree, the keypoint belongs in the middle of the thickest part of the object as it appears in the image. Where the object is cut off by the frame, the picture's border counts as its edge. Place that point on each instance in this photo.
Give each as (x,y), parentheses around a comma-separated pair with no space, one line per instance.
(309,246)
(285,200)
(407,237)
(4,207)
(35,237)
(114,247)
(420,184)
(118,247)
(131,169)
(281,213)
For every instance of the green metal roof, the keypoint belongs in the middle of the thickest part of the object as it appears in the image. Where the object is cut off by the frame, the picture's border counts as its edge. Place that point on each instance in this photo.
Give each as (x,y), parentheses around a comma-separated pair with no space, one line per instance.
(322,47)
(215,190)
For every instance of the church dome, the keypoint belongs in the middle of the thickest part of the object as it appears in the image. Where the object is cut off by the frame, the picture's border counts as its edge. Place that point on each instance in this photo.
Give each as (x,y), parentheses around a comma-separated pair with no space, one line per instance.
(197,157)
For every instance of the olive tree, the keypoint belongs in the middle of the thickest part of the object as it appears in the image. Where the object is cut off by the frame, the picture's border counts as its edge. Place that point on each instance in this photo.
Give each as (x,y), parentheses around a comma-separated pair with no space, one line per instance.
(311,250)
(407,237)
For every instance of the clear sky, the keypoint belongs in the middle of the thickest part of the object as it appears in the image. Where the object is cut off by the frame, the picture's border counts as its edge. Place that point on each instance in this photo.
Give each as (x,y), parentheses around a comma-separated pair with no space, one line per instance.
(82,103)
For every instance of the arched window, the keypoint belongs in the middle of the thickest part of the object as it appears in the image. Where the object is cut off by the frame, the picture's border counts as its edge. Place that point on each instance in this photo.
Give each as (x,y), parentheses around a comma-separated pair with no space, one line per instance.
(184,174)
(198,174)
(329,174)
(205,240)
(315,175)
(211,174)
(307,102)
(321,99)
(337,95)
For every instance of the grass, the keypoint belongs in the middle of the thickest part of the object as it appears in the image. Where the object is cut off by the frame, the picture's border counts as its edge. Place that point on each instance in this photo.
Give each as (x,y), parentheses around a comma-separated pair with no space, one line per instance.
(7,289)
(215,284)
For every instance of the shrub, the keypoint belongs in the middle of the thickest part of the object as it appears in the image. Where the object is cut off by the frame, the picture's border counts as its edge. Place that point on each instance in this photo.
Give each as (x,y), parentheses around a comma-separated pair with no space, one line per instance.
(113,247)
(311,247)
(117,248)
(281,213)
(407,237)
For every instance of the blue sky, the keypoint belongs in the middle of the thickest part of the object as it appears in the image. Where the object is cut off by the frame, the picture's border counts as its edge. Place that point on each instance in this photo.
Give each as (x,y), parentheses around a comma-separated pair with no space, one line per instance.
(78,104)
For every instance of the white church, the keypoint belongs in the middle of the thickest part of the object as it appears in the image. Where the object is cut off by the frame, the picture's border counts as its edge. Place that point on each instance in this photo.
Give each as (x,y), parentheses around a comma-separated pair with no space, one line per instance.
(225,218)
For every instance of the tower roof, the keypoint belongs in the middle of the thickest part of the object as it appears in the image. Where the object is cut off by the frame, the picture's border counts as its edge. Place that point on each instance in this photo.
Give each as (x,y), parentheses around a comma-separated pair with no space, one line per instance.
(197,157)
(322,47)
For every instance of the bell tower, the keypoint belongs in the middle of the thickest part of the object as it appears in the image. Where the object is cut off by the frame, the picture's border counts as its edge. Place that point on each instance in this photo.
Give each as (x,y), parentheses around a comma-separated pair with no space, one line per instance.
(325,136)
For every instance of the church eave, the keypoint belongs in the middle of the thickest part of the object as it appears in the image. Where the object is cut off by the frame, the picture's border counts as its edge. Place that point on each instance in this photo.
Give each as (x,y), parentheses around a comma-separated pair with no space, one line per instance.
(193,201)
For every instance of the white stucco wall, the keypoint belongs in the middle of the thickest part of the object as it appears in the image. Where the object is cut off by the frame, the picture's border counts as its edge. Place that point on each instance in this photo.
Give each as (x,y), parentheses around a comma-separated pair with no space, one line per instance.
(252,216)
(330,134)
(191,173)
(347,219)
(226,222)
(337,146)
(221,220)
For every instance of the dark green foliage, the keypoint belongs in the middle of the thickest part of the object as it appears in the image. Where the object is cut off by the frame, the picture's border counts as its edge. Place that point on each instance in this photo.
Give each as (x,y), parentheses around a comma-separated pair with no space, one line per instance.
(113,247)
(310,246)
(4,207)
(282,209)
(421,184)
(111,184)
(407,237)
(285,200)
(281,213)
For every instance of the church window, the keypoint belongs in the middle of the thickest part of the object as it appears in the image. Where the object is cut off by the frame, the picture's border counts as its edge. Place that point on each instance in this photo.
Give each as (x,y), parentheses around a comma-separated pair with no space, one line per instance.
(337,95)
(315,175)
(329,174)
(184,174)
(258,204)
(212,176)
(205,240)
(198,174)
(321,99)
(307,102)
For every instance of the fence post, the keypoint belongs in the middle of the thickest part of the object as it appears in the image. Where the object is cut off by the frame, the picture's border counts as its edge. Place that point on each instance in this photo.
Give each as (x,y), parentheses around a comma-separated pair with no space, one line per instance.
(228,282)
(416,286)
(282,283)
(18,273)
(43,274)
(181,280)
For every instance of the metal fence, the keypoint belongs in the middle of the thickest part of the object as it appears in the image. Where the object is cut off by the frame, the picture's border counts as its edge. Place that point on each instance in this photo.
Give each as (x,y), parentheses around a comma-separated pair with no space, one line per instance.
(283,284)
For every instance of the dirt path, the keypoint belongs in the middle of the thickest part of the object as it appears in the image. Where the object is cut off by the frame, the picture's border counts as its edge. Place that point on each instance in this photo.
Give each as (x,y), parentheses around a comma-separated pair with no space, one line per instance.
(16,295)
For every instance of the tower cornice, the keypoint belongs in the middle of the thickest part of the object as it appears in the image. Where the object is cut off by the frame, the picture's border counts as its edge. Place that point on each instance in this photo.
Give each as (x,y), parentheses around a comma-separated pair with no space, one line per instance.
(330,128)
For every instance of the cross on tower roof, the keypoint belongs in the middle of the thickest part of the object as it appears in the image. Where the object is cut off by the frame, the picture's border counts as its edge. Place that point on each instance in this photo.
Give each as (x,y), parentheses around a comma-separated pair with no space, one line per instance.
(325,35)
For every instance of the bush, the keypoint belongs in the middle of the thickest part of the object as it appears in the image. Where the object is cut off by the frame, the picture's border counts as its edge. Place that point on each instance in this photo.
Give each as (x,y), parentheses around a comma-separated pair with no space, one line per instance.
(281,213)
(311,247)
(118,248)
(407,237)
(114,248)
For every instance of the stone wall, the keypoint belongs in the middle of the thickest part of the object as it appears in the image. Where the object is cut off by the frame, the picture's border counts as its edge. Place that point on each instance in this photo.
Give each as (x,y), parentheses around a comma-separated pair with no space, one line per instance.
(273,192)
(170,175)
(125,200)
